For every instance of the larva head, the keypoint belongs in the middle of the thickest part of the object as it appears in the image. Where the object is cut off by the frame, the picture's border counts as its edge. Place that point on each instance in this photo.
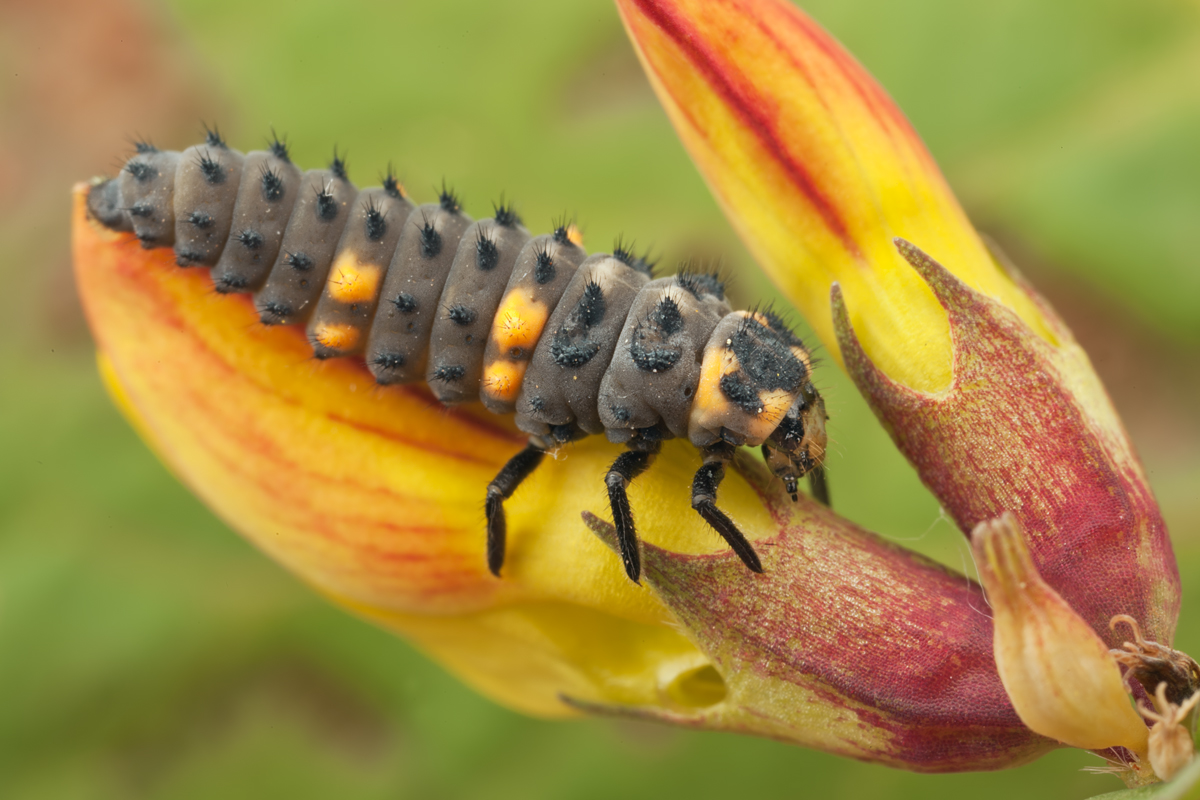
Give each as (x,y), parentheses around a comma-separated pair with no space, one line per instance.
(755,388)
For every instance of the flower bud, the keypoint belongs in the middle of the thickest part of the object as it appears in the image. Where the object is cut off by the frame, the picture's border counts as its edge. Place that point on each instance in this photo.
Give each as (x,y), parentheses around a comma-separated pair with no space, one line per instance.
(1059,674)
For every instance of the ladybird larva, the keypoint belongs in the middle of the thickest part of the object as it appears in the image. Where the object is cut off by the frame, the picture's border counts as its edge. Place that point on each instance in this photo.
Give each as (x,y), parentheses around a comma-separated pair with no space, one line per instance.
(572,344)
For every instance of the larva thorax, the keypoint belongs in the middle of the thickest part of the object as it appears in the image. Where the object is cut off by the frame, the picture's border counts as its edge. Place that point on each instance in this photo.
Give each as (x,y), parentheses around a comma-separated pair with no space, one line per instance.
(574,345)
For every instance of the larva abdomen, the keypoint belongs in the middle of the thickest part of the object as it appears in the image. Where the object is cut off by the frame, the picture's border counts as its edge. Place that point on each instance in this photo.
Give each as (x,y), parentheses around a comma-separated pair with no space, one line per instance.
(264,203)
(398,344)
(309,241)
(480,272)
(342,318)
(206,186)
(541,275)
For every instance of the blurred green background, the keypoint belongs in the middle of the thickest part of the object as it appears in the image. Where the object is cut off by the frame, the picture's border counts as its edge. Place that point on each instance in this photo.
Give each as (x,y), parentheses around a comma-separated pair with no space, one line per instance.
(147,652)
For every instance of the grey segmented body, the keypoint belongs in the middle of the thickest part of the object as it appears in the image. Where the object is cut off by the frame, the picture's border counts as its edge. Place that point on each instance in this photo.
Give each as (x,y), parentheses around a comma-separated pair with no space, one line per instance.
(573,344)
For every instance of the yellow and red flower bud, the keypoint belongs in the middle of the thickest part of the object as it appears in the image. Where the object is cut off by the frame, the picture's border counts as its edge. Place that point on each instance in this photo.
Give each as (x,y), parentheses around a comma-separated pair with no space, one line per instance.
(1026,427)
(818,170)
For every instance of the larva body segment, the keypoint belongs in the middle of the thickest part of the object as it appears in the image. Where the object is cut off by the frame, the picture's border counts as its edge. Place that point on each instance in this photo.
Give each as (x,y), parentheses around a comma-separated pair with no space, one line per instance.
(342,319)
(147,197)
(306,253)
(398,346)
(477,278)
(654,372)
(206,186)
(264,203)
(541,275)
(574,345)
(558,397)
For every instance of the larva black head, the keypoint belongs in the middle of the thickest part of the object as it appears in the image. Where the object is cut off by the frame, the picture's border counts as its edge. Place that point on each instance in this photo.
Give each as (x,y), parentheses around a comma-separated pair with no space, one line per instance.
(698,283)
(272,185)
(448,200)
(213,138)
(141,171)
(391,184)
(431,239)
(543,267)
(210,167)
(764,354)
(487,255)
(338,166)
(250,239)
(625,254)
(374,224)
(278,147)
(505,215)
(326,207)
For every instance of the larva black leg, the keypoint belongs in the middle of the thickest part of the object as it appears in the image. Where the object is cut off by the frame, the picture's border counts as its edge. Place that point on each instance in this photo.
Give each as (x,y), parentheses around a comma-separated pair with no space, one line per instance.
(818,484)
(500,489)
(627,467)
(704,500)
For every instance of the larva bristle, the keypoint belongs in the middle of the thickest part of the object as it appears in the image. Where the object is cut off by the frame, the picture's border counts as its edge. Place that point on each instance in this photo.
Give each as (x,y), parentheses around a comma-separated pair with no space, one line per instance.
(460,315)
(487,255)
(140,170)
(699,283)
(213,138)
(326,204)
(298,261)
(272,184)
(250,239)
(505,214)
(200,220)
(143,147)
(278,147)
(543,268)
(374,225)
(211,168)
(391,184)
(448,200)
(625,254)
(338,166)
(431,240)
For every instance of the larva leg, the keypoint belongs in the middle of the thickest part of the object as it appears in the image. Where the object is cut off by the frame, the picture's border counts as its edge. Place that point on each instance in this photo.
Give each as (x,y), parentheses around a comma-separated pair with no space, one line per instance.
(819,485)
(627,467)
(500,489)
(704,500)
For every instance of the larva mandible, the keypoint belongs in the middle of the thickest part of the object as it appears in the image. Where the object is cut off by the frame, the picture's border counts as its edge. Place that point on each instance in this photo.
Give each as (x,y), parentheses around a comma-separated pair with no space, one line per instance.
(428,294)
